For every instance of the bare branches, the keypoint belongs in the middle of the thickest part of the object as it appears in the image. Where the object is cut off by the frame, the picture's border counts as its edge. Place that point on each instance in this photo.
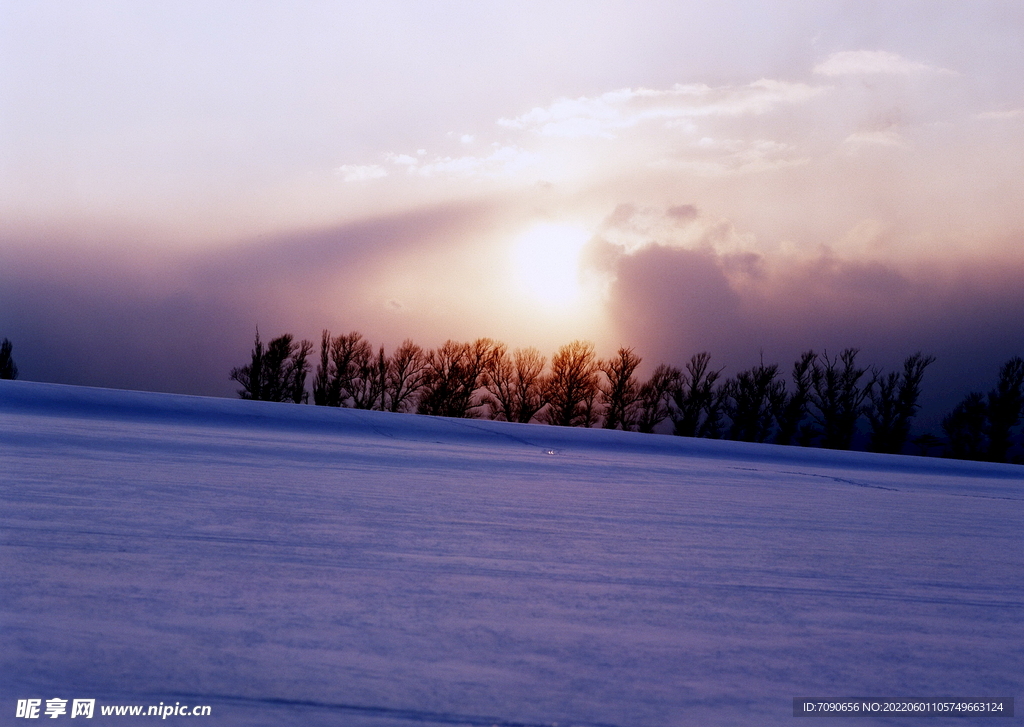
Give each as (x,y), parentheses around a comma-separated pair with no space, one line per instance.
(620,393)
(572,386)
(452,375)
(654,397)
(513,384)
(752,398)
(405,377)
(981,427)
(825,406)
(696,406)
(791,409)
(892,403)
(837,394)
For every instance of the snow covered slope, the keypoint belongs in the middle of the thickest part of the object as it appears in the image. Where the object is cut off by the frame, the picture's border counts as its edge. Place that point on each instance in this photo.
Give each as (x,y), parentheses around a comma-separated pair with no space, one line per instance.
(292,565)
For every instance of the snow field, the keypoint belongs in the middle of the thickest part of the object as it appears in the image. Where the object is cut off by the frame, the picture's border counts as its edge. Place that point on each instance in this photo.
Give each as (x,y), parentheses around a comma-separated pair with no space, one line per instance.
(293,565)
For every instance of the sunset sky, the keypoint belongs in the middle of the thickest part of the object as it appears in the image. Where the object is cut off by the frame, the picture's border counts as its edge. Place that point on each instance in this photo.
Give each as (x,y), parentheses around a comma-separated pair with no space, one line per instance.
(746,178)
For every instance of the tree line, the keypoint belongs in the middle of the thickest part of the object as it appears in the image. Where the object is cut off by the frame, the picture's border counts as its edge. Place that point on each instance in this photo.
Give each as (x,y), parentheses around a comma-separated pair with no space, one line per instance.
(823,402)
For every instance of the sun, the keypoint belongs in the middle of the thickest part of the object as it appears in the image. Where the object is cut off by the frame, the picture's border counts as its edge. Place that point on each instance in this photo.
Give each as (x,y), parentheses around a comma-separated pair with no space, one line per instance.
(546,263)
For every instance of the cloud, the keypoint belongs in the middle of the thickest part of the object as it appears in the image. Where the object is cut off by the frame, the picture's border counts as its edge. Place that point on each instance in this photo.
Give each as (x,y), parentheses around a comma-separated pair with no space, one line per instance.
(608,114)
(361,172)
(679,280)
(691,131)
(631,229)
(180,325)
(886,137)
(711,157)
(867,62)
(684,212)
(1001,115)
(689,283)
(503,161)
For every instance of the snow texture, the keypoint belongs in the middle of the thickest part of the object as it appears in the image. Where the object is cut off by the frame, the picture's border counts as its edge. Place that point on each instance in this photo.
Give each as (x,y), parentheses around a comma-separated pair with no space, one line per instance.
(292,565)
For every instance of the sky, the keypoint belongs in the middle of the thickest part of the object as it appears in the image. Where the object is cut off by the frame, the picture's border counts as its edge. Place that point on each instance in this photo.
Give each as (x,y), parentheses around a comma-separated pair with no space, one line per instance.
(749,178)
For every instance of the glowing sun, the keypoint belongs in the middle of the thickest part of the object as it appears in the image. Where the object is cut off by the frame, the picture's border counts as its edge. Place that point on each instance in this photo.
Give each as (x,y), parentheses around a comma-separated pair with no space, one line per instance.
(546,263)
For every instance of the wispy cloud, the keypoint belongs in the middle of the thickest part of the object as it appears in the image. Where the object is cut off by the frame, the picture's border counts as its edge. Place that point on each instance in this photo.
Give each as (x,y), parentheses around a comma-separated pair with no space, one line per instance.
(605,115)
(885,137)
(878,62)
(361,172)
(1001,115)
(709,156)
(501,161)
(651,127)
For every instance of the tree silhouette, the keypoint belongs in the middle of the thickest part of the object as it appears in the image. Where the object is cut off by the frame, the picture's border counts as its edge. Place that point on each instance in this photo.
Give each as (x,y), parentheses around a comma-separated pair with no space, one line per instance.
(326,373)
(344,362)
(571,387)
(405,377)
(452,374)
(8,369)
(838,397)
(753,397)
(893,403)
(366,387)
(351,375)
(483,378)
(251,376)
(1005,403)
(981,427)
(965,427)
(654,397)
(513,384)
(276,372)
(792,408)
(695,403)
(298,370)
(620,393)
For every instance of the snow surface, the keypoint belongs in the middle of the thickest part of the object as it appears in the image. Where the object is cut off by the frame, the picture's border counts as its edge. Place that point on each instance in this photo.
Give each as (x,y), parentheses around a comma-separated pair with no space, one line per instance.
(293,565)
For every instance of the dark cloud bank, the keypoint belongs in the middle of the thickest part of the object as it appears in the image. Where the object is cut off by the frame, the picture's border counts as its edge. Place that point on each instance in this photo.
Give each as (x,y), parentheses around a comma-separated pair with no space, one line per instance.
(141,322)
(670,303)
(84,318)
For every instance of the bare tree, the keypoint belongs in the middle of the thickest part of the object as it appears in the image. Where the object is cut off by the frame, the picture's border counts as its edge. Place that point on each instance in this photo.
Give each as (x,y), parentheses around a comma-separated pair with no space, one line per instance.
(654,397)
(752,398)
(892,403)
(298,370)
(965,428)
(981,427)
(367,386)
(452,375)
(1005,404)
(620,393)
(837,395)
(325,375)
(8,369)
(571,387)
(405,376)
(696,405)
(351,375)
(513,384)
(791,409)
(345,361)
